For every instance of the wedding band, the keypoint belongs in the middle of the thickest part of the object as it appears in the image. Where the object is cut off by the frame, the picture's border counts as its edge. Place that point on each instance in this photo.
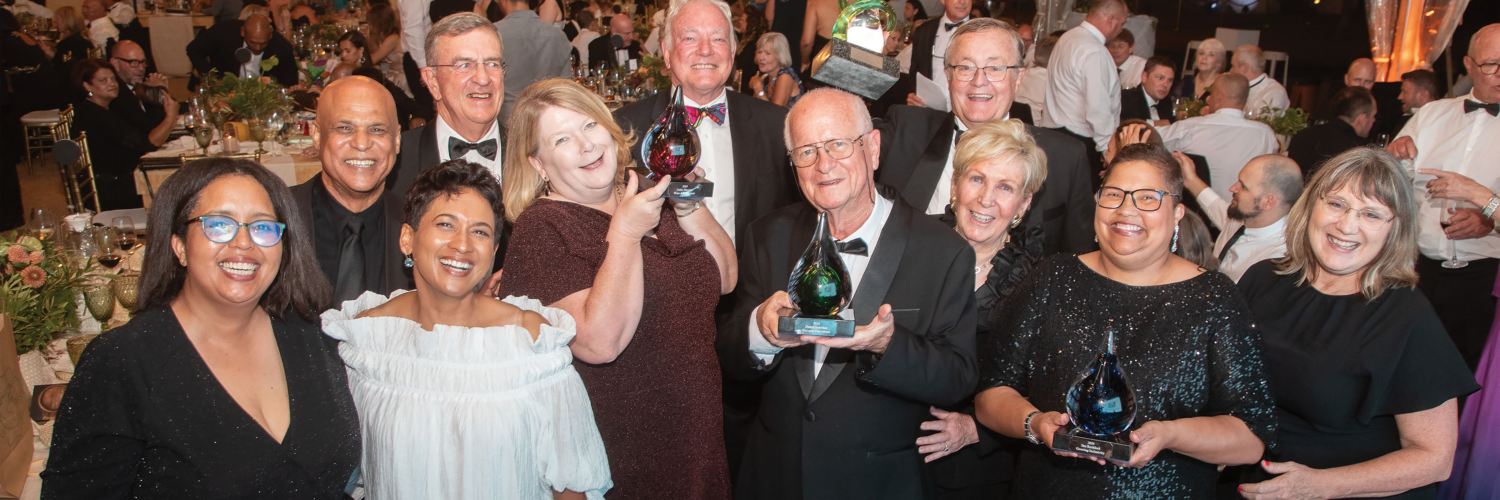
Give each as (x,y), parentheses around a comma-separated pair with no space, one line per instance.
(945,448)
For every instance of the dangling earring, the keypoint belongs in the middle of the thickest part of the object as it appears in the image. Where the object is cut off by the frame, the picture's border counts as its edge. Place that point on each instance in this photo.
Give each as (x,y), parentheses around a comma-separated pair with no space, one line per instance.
(546,186)
(408,261)
(953,202)
(1174,237)
(1015,221)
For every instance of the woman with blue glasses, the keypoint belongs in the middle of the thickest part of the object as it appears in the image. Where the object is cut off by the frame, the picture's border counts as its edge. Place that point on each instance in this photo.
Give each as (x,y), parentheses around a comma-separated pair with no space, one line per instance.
(220,387)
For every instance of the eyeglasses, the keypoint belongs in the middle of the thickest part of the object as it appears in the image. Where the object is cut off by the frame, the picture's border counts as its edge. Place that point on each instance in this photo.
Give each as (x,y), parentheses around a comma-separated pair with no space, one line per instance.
(1368,218)
(997,74)
(464,68)
(134,63)
(838,149)
(1489,68)
(1149,200)
(223,229)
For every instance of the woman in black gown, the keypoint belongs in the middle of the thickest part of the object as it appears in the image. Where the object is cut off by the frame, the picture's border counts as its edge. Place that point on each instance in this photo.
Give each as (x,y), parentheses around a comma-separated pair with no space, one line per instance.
(1182,334)
(73,44)
(1365,377)
(115,146)
(219,387)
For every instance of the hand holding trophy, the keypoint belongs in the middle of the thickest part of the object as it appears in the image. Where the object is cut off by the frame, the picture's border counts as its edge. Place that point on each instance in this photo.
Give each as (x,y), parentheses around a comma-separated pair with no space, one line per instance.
(820,287)
(1101,405)
(671,151)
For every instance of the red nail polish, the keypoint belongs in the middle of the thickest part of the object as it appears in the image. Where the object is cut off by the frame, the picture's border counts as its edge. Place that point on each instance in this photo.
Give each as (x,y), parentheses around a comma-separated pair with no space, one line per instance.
(1240,488)
(1265,463)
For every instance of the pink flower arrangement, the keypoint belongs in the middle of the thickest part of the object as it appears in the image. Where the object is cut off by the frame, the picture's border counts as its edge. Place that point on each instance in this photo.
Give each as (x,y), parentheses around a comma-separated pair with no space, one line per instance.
(33,277)
(36,257)
(16,254)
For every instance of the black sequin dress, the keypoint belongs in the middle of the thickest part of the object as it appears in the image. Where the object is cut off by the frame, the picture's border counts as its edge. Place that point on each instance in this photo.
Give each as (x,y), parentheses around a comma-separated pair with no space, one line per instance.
(1187,348)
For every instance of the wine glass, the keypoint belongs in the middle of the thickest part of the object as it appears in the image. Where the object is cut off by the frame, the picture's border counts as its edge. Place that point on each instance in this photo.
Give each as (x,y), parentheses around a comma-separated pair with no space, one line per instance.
(106,239)
(1382,140)
(44,222)
(203,134)
(99,296)
(277,123)
(258,129)
(1447,220)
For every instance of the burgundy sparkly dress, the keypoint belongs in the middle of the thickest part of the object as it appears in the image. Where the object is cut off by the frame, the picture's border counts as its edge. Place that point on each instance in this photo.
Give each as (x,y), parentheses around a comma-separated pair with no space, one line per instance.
(658,404)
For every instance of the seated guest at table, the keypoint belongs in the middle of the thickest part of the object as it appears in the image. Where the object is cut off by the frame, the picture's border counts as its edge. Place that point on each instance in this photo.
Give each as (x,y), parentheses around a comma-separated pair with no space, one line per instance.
(775,82)
(219,387)
(1250,62)
(1150,101)
(352,49)
(115,145)
(1130,66)
(33,85)
(1224,136)
(1252,224)
(73,44)
(603,51)
(1366,381)
(913,133)
(120,12)
(1207,67)
(1353,111)
(102,31)
(215,47)
(1185,338)
(385,45)
(356,222)
(644,345)
(997,169)
(1361,73)
(424,365)
(838,416)
(129,61)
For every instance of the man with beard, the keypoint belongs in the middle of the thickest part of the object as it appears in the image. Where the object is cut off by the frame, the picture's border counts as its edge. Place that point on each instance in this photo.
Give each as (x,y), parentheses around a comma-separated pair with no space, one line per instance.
(1253,223)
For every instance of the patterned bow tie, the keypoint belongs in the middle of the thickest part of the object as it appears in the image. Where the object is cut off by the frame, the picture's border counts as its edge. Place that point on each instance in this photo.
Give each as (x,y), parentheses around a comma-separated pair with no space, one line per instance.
(715,113)
(1492,108)
(457,148)
(853,247)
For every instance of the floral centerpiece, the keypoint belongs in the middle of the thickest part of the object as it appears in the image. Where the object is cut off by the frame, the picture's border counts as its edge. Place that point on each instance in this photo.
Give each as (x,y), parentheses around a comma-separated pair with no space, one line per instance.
(39,287)
(1285,122)
(652,68)
(243,98)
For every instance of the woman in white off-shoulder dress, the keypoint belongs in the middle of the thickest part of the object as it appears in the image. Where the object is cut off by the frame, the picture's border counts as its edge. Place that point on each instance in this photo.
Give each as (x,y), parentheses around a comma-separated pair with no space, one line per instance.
(460,395)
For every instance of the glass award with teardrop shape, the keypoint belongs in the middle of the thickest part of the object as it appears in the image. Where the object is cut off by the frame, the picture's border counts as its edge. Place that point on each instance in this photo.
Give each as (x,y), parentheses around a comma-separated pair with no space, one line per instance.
(671,151)
(821,289)
(1101,407)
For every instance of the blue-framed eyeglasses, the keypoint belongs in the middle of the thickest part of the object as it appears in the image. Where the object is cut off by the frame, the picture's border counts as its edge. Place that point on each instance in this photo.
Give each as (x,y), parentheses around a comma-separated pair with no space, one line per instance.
(223,229)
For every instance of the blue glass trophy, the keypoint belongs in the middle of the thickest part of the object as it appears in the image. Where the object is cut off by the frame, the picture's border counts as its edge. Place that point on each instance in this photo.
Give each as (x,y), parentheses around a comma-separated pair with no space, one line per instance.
(820,287)
(1101,406)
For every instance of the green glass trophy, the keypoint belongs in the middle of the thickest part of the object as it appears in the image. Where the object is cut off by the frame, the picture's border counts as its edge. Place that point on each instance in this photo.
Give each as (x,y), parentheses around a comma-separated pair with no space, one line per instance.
(820,287)
(854,59)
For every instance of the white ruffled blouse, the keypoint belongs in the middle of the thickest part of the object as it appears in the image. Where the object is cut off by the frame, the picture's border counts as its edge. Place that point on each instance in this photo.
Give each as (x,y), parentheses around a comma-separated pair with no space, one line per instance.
(464,413)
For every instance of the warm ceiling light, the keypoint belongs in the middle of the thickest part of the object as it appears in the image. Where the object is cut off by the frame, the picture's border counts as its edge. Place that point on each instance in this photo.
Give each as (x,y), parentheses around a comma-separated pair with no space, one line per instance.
(1430,12)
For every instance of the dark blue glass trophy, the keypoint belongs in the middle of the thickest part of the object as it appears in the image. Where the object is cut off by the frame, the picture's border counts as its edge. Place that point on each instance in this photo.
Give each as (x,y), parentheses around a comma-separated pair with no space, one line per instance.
(1101,406)
(820,287)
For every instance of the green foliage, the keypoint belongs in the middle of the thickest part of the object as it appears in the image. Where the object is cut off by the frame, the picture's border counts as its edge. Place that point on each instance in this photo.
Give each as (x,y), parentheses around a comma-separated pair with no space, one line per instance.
(655,69)
(38,312)
(1286,122)
(245,98)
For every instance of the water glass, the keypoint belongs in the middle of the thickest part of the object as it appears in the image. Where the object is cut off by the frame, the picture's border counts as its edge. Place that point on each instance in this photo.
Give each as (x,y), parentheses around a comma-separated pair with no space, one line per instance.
(44,222)
(126,289)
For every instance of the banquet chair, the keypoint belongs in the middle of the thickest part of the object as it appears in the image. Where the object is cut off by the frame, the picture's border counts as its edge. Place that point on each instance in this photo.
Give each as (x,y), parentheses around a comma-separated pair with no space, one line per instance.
(78,173)
(42,128)
(1275,59)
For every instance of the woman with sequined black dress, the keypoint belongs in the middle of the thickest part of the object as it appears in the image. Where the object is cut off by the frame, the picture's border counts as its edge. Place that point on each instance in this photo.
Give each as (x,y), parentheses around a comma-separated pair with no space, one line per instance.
(1182,334)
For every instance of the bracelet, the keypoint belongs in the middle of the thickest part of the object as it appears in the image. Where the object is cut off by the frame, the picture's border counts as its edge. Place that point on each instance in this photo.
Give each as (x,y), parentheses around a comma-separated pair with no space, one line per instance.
(1489,209)
(684,212)
(1027,426)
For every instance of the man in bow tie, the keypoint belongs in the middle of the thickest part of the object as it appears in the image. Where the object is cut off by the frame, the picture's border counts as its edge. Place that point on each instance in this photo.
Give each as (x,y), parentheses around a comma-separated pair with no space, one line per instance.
(839,416)
(1460,135)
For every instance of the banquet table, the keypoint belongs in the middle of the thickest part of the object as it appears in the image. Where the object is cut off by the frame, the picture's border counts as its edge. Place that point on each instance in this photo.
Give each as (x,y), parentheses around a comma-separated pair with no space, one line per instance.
(199,21)
(287,163)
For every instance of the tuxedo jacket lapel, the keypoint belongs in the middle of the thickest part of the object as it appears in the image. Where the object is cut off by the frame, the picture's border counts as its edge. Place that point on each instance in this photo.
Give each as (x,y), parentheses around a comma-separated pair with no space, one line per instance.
(742,132)
(929,169)
(428,150)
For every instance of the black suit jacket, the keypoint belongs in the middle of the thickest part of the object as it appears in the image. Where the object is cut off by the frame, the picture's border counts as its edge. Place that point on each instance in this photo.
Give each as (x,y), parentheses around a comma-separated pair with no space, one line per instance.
(130,107)
(600,51)
(915,142)
(214,49)
(1316,144)
(1133,105)
(396,275)
(922,40)
(763,178)
(419,151)
(850,431)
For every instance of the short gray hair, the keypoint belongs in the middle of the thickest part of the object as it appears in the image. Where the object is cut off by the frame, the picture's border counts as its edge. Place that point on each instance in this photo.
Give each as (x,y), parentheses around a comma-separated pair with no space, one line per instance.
(779,47)
(857,111)
(985,25)
(676,8)
(455,25)
(1251,56)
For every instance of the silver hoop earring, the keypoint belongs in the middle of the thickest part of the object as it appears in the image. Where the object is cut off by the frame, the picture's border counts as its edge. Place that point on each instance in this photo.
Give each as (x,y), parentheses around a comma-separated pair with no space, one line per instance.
(1174,237)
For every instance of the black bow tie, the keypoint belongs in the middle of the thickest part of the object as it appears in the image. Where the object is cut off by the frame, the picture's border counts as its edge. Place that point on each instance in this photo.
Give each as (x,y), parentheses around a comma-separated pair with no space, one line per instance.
(457,148)
(1492,108)
(950,26)
(855,246)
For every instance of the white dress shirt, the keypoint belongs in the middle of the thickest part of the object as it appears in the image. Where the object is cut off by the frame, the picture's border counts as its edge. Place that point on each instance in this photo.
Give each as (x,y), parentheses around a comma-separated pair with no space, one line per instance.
(1130,71)
(1151,106)
(1032,90)
(1257,244)
(1467,143)
(444,132)
(581,43)
(944,190)
(251,69)
(102,30)
(121,12)
(716,158)
(1266,91)
(1226,139)
(414,26)
(1083,87)
(940,50)
(870,232)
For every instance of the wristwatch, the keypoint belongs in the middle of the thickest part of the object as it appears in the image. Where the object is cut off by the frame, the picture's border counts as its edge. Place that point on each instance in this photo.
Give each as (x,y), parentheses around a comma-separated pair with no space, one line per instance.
(1489,209)
(1027,426)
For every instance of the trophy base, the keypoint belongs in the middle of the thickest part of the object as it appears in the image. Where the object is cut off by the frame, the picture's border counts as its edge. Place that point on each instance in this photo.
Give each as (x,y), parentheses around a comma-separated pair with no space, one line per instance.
(820,326)
(1074,441)
(677,188)
(852,68)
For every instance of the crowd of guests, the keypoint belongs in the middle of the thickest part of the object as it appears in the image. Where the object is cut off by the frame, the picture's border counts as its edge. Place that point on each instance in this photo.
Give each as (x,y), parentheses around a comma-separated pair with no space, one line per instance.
(497,302)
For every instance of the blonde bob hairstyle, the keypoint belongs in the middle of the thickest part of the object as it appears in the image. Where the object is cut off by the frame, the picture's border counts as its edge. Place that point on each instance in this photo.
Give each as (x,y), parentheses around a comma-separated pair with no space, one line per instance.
(522,185)
(1372,174)
(1001,141)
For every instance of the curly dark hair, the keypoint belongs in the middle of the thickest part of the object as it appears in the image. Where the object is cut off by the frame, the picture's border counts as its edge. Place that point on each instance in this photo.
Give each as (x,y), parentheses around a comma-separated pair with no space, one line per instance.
(450,178)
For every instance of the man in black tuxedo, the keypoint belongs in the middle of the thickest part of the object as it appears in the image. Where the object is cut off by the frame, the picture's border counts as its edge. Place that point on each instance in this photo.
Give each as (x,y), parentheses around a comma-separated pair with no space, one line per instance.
(1148,101)
(918,149)
(467,102)
(840,416)
(217,48)
(603,50)
(355,221)
(129,61)
(1353,109)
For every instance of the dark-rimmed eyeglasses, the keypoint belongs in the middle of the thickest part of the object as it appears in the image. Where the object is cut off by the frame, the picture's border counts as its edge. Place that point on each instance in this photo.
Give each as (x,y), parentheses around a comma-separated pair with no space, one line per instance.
(1488,68)
(1368,218)
(223,229)
(966,73)
(469,67)
(134,63)
(1149,200)
(838,149)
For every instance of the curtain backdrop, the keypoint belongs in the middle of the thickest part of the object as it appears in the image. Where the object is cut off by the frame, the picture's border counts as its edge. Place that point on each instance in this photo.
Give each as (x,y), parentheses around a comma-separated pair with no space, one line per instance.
(1409,34)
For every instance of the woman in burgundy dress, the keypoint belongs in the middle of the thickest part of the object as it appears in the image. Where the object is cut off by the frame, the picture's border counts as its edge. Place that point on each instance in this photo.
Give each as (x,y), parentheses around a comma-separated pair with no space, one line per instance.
(641,277)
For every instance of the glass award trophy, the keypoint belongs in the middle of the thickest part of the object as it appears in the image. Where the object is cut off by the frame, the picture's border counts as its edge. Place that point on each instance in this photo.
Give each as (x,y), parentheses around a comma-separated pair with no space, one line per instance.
(1101,406)
(671,150)
(820,287)
(854,59)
